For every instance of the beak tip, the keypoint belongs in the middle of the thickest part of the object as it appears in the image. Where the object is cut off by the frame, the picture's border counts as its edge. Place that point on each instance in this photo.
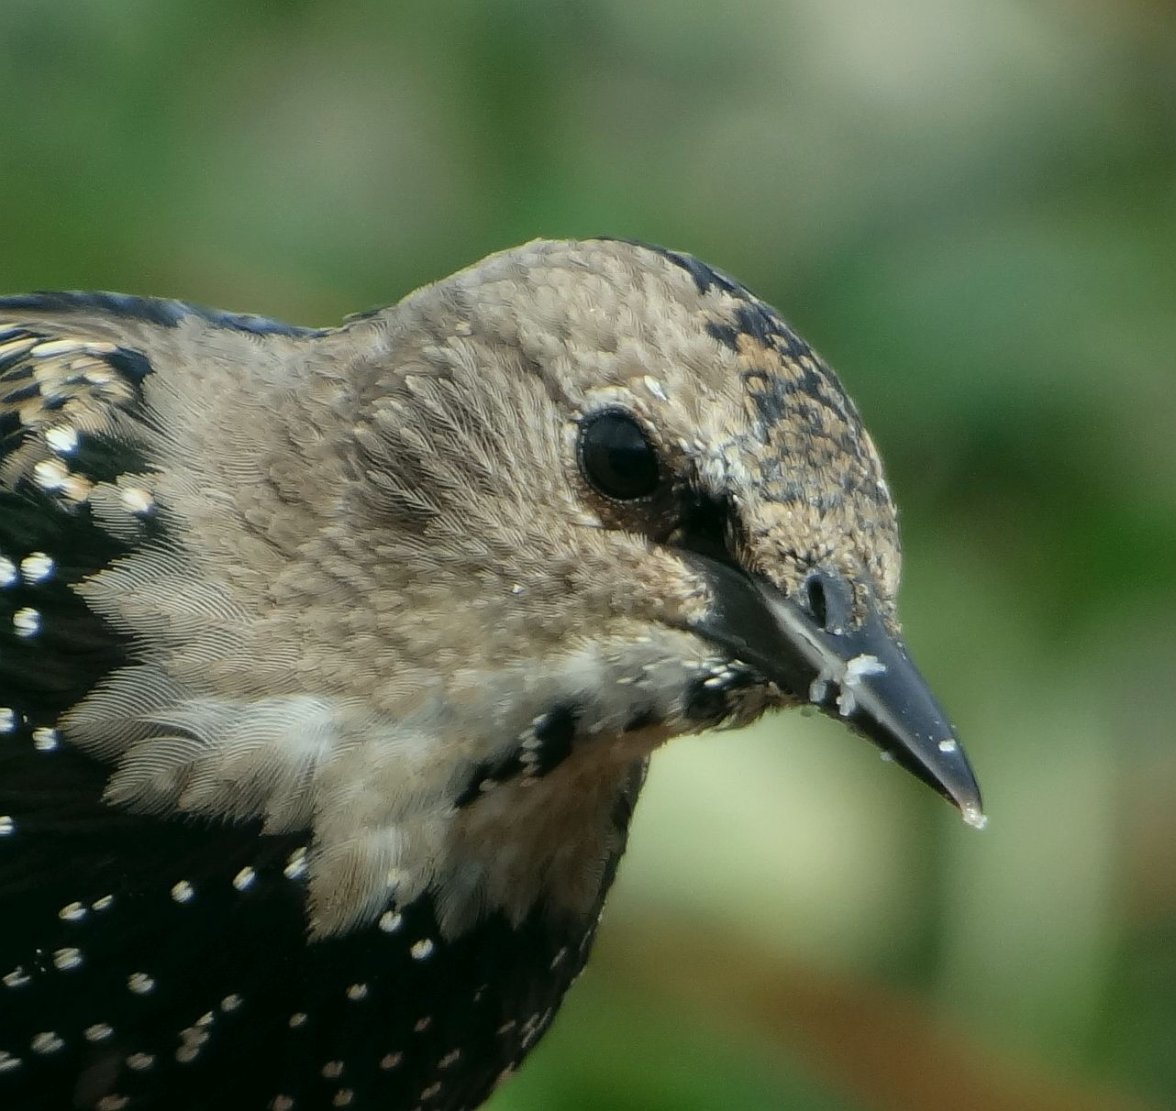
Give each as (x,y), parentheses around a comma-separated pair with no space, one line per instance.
(973,815)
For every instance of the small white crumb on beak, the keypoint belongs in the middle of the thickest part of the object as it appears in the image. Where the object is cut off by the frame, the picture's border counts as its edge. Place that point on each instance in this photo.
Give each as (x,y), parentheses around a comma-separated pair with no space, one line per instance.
(974,816)
(861,666)
(949,745)
(855,671)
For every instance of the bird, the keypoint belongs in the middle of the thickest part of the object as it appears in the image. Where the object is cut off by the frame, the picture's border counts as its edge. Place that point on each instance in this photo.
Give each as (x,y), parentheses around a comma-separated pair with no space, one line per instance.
(332,659)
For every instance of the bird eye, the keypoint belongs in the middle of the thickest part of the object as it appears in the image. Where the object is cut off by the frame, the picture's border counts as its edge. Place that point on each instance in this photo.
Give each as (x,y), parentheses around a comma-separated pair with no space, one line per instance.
(617,457)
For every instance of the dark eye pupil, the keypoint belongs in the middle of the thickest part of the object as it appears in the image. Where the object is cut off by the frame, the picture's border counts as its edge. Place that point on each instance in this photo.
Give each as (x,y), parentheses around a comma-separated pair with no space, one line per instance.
(818,604)
(617,458)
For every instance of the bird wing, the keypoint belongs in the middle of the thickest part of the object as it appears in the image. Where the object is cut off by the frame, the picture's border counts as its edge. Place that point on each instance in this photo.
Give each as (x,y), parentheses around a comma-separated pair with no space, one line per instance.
(156,961)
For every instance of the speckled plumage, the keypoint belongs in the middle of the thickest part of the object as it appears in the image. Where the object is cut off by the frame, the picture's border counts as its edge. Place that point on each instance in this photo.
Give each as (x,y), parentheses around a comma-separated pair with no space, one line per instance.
(323,661)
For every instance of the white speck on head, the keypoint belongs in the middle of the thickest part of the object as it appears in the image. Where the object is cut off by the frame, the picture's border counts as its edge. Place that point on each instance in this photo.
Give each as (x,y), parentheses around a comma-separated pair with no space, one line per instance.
(356,992)
(8,572)
(99,1032)
(295,865)
(343,1098)
(37,567)
(298,1018)
(137,500)
(46,1042)
(422,1024)
(244,878)
(7,825)
(555,961)
(72,912)
(8,1062)
(140,1062)
(182,891)
(206,1019)
(391,1060)
(949,745)
(886,757)
(421,949)
(67,959)
(655,388)
(26,622)
(104,903)
(62,438)
(390,921)
(9,719)
(188,1053)
(112,1102)
(231,1002)
(281,1103)
(516,589)
(450,1058)
(51,475)
(332,1070)
(46,739)
(140,983)
(431,1091)
(506,1027)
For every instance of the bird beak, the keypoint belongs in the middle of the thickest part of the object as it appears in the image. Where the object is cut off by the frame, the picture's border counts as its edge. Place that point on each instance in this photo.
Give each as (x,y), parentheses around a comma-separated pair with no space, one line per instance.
(862,675)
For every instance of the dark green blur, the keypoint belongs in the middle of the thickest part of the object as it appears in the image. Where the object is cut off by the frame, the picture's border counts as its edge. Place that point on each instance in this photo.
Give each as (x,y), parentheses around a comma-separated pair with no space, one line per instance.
(970,209)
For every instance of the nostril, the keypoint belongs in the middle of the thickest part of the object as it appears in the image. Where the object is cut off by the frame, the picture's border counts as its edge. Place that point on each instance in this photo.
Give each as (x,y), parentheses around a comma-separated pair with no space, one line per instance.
(818,604)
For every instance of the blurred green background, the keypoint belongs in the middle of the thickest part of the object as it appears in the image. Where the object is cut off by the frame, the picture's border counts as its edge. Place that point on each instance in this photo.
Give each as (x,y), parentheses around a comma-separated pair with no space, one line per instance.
(970,207)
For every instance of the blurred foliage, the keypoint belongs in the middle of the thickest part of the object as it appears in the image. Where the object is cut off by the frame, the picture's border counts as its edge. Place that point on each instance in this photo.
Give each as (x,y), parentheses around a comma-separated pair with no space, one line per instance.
(970,207)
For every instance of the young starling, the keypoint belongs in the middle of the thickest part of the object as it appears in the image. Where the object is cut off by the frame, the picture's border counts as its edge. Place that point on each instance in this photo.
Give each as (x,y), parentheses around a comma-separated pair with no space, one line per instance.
(331,660)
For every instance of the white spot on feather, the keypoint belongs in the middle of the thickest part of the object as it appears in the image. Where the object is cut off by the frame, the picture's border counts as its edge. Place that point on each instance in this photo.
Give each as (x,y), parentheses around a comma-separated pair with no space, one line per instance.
(67,959)
(62,438)
(46,1042)
(137,500)
(244,878)
(26,622)
(37,567)
(51,475)
(140,983)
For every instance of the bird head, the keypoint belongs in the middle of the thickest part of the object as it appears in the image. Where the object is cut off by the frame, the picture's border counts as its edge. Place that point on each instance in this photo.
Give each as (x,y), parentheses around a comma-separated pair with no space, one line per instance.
(623,460)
